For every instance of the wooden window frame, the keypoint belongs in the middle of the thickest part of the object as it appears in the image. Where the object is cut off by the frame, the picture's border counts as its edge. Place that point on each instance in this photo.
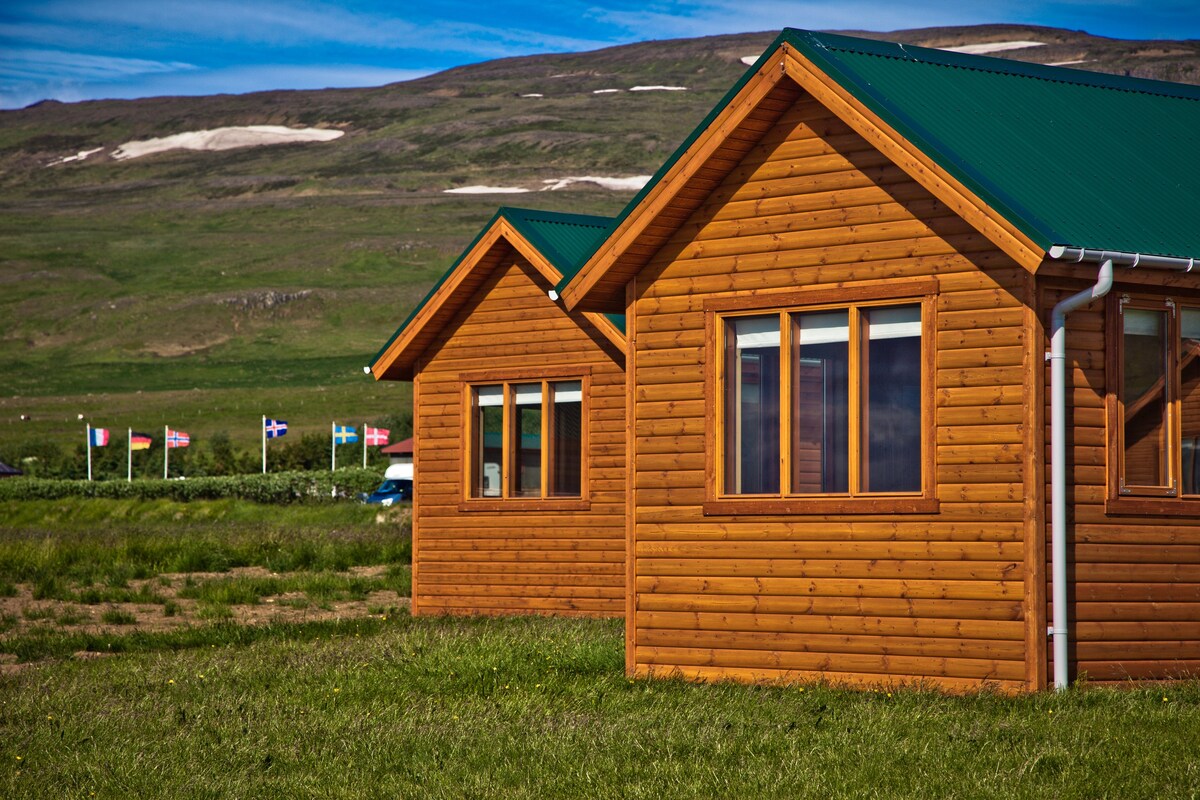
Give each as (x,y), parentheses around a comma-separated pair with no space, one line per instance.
(1165,500)
(508,379)
(874,295)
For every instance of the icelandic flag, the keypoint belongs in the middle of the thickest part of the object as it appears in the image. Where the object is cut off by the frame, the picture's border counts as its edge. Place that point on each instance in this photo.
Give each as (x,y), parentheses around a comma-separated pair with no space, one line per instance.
(376,436)
(343,434)
(98,437)
(275,428)
(177,438)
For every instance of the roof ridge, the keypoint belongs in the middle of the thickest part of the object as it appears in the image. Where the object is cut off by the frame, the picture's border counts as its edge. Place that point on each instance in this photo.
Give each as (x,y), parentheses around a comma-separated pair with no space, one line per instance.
(557,217)
(992,64)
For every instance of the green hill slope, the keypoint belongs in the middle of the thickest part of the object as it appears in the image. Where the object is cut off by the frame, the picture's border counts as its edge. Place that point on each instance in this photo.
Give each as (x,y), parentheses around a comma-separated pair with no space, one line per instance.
(202,289)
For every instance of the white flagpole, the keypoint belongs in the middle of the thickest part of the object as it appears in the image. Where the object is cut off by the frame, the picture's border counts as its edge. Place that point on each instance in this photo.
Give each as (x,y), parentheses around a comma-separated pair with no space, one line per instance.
(333,447)
(89,443)
(364,445)
(264,438)
(129,456)
(166,451)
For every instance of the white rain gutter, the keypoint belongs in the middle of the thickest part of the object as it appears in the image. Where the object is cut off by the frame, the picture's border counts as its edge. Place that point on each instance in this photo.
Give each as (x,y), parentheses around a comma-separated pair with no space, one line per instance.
(1058,419)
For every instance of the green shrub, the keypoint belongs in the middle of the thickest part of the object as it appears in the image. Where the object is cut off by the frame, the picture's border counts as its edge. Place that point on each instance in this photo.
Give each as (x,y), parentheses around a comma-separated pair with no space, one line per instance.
(275,487)
(116,616)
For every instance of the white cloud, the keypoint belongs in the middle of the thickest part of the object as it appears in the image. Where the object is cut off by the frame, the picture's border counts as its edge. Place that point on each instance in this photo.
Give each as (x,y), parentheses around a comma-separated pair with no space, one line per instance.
(233,80)
(35,64)
(711,17)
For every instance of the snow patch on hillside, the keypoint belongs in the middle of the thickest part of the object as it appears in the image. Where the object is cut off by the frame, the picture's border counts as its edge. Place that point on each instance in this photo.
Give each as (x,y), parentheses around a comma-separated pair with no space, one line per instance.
(485,190)
(749,60)
(80,156)
(1067,63)
(605,91)
(630,184)
(658,88)
(225,139)
(991,47)
(533,94)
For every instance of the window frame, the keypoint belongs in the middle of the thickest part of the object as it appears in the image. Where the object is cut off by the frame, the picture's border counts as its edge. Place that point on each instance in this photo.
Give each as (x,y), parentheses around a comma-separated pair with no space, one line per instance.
(1169,499)
(508,379)
(717,311)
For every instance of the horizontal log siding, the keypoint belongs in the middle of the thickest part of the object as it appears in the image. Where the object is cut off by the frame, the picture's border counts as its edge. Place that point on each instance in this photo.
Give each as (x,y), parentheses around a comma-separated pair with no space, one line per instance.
(514,562)
(1135,600)
(850,598)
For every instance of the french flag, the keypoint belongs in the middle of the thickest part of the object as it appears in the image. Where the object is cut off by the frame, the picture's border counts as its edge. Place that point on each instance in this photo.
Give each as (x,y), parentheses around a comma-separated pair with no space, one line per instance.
(98,437)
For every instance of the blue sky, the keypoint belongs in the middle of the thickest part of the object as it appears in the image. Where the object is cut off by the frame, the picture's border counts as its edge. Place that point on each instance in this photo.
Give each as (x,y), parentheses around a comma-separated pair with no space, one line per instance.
(85,49)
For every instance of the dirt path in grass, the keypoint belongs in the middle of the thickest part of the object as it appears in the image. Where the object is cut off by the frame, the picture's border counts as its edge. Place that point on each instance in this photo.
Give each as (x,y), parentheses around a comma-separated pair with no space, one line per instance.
(21,614)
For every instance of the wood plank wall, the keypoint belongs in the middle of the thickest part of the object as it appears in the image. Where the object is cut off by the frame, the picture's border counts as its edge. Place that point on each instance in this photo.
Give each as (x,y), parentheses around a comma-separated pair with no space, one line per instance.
(861,599)
(1135,600)
(564,562)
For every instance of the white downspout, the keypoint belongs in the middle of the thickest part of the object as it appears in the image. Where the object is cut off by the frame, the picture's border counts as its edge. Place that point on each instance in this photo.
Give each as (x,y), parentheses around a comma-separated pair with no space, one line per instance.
(1058,461)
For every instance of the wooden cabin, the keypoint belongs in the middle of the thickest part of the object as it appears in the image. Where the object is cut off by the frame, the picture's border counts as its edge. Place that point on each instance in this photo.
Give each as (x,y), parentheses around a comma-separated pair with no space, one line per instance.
(519,421)
(837,299)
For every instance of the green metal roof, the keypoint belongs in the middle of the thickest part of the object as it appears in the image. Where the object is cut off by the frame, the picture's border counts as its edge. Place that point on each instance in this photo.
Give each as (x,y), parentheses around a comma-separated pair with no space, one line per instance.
(566,241)
(1069,157)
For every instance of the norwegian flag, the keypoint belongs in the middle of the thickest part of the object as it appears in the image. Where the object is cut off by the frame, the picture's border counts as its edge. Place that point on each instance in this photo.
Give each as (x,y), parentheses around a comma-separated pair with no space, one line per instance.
(376,436)
(177,438)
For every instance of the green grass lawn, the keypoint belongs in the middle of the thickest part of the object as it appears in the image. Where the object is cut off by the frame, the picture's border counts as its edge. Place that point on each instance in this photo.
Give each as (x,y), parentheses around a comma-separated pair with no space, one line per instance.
(533,708)
(180,690)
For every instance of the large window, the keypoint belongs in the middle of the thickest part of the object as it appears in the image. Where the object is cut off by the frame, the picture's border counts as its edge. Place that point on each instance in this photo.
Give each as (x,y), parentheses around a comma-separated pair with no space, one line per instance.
(526,439)
(1156,397)
(824,402)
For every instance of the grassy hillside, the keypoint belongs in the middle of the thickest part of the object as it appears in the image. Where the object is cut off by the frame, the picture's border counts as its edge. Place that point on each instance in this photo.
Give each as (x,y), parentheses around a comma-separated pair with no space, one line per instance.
(203,289)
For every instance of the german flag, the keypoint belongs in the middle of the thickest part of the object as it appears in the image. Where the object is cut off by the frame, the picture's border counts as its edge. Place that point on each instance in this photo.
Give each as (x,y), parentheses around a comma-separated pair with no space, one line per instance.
(139,441)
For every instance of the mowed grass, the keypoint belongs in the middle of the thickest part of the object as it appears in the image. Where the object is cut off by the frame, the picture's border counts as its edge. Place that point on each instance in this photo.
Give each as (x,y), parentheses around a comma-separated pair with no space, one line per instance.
(533,708)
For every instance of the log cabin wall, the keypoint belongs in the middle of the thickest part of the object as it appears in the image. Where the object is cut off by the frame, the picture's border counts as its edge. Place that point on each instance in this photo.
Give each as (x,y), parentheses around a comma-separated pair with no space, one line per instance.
(1135,578)
(567,562)
(860,598)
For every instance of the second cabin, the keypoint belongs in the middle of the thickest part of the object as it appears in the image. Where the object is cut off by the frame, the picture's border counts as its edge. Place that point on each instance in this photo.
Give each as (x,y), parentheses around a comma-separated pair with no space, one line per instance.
(519,421)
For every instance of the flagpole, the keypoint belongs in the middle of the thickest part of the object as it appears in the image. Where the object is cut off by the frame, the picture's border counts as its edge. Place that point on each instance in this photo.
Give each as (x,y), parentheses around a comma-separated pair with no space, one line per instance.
(264,440)
(129,456)
(88,425)
(364,445)
(166,451)
(333,447)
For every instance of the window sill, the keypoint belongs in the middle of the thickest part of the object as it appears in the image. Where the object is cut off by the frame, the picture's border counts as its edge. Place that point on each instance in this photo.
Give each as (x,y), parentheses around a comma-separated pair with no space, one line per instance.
(831,506)
(526,504)
(1152,507)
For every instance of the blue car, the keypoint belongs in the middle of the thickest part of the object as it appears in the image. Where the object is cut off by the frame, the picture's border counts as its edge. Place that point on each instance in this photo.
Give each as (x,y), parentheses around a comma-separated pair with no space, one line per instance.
(392,490)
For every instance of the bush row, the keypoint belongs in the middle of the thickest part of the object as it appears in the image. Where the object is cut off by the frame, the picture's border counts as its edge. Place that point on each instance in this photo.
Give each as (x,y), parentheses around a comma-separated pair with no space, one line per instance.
(275,487)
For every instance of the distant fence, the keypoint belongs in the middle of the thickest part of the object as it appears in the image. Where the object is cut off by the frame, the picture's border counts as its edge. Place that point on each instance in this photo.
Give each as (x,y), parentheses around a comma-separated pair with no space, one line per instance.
(275,487)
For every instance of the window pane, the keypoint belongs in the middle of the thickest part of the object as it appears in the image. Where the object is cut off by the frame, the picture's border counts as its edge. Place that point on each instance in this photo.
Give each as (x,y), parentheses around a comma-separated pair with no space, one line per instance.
(488,441)
(820,402)
(1189,396)
(527,440)
(752,405)
(891,399)
(1144,396)
(566,461)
